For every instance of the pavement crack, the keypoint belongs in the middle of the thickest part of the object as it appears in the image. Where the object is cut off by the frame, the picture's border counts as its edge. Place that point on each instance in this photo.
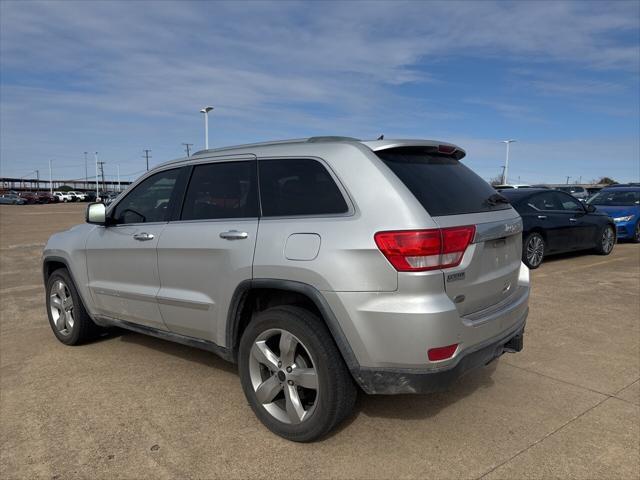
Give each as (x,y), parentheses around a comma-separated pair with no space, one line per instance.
(553,432)
(562,380)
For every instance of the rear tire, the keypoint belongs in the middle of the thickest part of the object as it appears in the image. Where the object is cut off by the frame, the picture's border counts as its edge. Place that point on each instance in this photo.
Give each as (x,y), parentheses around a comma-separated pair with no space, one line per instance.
(533,250)
(68,318)
(606,240)
(298,407)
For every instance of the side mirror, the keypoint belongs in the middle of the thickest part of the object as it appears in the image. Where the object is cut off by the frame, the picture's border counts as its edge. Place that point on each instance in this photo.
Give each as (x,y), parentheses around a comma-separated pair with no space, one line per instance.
(96,214)
(589,208)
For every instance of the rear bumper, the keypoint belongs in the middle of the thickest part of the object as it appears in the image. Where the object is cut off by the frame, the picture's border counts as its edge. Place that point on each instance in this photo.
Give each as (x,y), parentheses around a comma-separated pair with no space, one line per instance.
(401,381)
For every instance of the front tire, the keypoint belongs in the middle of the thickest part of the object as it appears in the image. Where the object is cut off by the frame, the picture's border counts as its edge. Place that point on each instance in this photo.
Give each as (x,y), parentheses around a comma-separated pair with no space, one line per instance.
(636,233)
(293,374)
(68,318)
(606,240)
(533,250)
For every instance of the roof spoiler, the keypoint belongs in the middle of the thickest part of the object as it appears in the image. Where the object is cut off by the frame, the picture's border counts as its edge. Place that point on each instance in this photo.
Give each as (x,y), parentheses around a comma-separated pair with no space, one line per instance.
(428,146)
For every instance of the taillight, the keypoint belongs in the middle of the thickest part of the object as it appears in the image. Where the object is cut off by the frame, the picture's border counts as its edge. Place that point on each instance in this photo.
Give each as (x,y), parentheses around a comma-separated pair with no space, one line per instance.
(420,250)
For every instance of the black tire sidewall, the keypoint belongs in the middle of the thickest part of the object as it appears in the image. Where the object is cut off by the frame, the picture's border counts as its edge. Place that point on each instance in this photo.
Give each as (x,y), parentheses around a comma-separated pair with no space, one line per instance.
(82,322)
(327,361)
(524,250)
(600,248)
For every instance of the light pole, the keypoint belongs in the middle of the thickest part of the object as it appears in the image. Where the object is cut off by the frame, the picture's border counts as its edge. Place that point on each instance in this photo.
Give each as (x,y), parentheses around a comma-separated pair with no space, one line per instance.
(506,162)
(50,179)
(118,170)
(97,186)
(86,172)
(206,111)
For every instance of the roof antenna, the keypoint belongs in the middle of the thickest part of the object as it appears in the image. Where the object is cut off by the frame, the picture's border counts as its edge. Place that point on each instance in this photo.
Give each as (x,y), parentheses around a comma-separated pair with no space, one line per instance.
(381,137)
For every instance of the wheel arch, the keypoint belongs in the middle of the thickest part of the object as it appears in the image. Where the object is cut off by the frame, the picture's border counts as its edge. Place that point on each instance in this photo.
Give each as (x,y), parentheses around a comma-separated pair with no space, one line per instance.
(258,294)
(52,263)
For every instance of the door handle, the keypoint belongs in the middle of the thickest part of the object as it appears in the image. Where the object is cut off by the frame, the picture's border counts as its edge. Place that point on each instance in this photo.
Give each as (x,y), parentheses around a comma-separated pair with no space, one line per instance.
(234,235)
(573,220)
(542,217)
(143,237)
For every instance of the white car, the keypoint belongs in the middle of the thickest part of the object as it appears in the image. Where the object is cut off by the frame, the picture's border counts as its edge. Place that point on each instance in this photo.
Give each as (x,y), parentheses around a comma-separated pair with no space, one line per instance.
(79,196)
(65,196)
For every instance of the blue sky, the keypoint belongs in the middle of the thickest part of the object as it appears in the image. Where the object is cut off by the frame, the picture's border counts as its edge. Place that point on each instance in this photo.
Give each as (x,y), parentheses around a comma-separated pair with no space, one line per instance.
(117,77)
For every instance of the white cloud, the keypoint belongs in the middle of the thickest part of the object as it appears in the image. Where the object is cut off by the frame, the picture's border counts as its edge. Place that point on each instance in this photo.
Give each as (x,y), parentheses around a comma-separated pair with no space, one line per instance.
(105,70)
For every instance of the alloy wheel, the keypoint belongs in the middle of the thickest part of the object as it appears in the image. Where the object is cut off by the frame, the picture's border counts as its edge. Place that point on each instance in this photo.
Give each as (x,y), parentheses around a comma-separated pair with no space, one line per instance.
(535,250)
(61,306)
(608,239)
(283,376)
(637,232)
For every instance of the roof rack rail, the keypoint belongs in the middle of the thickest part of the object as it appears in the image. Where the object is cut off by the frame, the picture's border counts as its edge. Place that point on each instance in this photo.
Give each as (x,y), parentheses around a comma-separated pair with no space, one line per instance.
(332,139)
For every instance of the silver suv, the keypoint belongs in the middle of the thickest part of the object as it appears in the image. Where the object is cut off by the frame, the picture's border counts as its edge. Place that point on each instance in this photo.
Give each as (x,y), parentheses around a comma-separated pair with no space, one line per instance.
(317,265)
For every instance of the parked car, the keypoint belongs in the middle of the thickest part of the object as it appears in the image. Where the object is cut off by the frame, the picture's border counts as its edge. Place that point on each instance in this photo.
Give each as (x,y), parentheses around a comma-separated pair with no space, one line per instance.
(399,288)
(90,196)
(29,197)
(575,190)
(506,186)
(623,205)
(46,197)
(64,196)
(79,196)
(556,222)
(11,199)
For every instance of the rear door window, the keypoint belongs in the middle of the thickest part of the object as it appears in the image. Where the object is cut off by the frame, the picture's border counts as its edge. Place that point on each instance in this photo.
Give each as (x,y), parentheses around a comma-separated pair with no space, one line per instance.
(222,190)
(442,184)
(298,187)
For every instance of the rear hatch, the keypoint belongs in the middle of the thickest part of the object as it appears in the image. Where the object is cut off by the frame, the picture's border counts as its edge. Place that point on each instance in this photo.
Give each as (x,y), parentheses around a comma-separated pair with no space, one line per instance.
(454,196)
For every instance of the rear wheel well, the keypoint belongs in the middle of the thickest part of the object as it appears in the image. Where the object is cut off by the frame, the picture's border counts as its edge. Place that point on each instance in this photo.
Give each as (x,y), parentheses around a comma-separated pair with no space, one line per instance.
(259,299)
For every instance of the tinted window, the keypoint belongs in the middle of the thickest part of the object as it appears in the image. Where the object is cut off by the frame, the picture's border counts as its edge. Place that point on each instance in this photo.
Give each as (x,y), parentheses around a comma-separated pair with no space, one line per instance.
(222,190)
(569,203)
(298,187)
(148,201)
(616,198)
(545,201)
(442,184)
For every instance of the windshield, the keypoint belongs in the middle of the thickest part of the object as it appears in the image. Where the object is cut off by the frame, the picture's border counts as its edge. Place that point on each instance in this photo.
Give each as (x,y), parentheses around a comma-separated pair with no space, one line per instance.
(618,198)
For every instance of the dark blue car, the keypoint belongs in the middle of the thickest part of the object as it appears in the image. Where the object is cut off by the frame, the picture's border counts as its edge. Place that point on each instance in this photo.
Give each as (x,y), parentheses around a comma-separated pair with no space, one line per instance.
(623,205)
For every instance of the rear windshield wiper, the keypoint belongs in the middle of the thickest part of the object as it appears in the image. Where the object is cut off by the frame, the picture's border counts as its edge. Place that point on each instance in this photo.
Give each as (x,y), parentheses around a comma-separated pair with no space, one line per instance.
(495,199)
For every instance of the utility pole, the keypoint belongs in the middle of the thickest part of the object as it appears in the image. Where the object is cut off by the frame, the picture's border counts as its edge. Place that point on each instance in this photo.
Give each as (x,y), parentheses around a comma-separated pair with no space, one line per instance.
(50,179)
(86,173)
(187,145)
(147,156)
(104,188)
(97,189)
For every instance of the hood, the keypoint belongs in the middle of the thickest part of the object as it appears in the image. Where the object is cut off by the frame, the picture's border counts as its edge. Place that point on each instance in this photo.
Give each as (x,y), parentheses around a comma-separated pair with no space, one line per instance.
(617,211)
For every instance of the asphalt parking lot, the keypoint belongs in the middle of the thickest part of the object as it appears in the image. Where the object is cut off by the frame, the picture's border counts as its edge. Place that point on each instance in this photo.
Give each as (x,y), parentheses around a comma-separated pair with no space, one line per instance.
(131,406)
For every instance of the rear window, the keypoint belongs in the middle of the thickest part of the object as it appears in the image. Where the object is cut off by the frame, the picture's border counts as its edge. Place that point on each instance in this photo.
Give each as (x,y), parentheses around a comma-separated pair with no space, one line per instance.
(442,184)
